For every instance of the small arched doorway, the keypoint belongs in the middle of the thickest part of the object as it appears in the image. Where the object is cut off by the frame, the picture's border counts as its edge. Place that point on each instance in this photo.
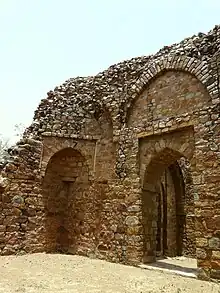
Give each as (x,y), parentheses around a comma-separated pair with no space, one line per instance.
(163,206)
(66,178)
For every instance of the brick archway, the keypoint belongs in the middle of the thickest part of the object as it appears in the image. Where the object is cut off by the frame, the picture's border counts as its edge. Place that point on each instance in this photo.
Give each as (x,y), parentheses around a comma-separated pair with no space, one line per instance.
(55,145)
(199,69)
(163,196)
(65,182)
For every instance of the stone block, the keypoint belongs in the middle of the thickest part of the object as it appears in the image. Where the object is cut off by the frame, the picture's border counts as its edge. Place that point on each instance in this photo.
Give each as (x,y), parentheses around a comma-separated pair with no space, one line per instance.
(214,243)
(201,253)
(132,221)
(201,242)
(216,254)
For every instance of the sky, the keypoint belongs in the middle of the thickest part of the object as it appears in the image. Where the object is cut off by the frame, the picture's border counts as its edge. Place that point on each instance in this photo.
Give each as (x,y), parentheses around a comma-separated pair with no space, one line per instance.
(45,42)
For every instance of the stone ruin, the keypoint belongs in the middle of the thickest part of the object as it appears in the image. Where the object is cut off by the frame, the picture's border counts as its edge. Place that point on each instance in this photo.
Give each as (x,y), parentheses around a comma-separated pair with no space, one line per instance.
(125,165)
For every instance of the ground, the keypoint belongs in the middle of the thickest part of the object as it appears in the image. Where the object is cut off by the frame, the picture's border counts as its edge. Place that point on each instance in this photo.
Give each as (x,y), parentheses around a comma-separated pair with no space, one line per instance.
(51,273)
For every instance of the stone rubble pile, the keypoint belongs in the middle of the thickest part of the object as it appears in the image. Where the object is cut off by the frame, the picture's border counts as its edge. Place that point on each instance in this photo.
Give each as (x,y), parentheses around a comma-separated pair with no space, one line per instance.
(23,159)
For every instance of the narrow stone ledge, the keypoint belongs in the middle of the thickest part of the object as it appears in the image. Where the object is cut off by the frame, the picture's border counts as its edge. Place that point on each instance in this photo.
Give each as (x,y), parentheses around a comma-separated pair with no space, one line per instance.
(71,136)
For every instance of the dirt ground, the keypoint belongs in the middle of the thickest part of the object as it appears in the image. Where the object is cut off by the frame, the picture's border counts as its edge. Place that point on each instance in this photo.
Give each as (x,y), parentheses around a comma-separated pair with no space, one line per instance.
(51,273)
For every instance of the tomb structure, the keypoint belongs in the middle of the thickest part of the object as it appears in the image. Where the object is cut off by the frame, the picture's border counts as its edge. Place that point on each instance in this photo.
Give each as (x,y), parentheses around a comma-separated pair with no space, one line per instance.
(125,165)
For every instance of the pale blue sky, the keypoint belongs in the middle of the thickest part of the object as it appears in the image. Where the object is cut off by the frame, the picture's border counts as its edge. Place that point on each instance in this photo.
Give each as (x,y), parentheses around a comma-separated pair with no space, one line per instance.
(45,42)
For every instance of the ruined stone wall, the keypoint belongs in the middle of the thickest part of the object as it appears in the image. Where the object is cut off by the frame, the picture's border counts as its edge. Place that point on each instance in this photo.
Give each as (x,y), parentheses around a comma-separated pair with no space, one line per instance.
(188,209)
(20,197)
(128,123)
(165,115)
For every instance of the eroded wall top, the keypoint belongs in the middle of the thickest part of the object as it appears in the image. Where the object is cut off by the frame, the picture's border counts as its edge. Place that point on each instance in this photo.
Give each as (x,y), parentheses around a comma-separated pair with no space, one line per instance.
(79,102)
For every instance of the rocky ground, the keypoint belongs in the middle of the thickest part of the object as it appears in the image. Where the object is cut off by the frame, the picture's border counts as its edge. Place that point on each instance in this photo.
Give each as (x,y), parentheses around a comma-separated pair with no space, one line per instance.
(44,273)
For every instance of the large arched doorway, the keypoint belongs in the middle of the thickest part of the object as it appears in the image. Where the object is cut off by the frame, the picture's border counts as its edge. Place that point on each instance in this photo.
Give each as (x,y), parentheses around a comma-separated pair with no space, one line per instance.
(164,206)
(65,181)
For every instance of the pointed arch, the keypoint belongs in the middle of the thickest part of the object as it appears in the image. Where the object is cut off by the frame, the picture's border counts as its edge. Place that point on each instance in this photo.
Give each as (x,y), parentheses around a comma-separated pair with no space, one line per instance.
(164,150)
(55,145)
(199,69)
(163,205)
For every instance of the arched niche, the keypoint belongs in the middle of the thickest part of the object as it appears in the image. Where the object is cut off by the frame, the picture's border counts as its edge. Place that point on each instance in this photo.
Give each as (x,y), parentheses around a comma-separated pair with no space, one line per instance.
(65,202)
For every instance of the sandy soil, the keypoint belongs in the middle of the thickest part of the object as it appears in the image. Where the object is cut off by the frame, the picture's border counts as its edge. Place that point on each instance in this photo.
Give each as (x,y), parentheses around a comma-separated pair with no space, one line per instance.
(44,273)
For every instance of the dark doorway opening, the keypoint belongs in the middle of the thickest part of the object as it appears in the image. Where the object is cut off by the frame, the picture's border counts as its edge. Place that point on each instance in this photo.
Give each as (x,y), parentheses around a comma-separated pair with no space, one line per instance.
(163,206)
(170,213)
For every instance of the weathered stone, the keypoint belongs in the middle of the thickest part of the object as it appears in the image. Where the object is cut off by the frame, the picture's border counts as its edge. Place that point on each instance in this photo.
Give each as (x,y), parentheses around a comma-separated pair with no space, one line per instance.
(214,243)
(18,200)
(102,247)
(216,254)
(201,253)
(123,165)
(215,274)
(134,208)
(132,221)
(201,242)
(3,183)
(2,228)
(134,230)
